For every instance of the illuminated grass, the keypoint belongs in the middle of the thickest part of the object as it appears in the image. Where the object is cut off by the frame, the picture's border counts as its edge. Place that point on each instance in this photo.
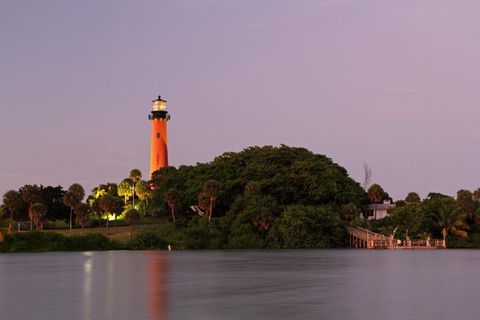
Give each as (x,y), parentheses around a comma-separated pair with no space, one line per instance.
(121,234)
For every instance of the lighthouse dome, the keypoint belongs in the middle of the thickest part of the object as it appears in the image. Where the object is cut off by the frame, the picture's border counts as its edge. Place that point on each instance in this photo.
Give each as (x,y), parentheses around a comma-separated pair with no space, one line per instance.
(159,104)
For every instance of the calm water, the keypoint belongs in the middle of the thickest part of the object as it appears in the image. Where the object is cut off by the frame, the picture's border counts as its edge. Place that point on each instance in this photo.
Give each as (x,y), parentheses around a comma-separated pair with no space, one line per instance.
(302,284)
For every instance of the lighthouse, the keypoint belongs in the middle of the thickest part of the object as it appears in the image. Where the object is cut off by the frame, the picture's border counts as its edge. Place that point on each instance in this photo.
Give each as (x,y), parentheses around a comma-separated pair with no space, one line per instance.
(159,145)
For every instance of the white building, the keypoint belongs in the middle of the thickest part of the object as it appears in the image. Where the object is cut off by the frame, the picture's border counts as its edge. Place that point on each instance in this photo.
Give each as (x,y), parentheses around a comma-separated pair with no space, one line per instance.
(378,210)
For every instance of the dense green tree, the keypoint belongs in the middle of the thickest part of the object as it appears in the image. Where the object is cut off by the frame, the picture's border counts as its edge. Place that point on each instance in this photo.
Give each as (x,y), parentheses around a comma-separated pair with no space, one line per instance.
(131,217)
(376,193)
(158,177)
(303,226)
(52,197)
(290,175)
(410,219)
(349,212)
(467,205)
(201,234)
(11,201)
(253,188)
(413,197)
(253,215)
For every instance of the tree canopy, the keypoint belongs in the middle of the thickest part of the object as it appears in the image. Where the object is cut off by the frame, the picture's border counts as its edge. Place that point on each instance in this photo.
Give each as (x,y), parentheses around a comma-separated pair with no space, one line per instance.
(289,175)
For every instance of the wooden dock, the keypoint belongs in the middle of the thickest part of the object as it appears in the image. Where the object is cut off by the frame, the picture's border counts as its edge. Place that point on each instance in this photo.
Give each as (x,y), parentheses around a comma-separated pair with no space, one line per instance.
(361,238)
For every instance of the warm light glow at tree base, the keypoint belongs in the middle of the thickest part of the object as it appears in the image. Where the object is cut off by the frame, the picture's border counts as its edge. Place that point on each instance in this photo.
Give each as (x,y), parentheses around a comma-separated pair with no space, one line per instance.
(111,217)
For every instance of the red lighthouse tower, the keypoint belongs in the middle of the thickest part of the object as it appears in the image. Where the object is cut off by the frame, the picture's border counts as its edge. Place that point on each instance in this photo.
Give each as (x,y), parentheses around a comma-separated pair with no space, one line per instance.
(159,145)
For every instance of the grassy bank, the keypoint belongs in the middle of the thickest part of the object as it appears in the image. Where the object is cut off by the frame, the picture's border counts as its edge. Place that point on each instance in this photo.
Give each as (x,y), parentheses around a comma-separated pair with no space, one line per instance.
(119,234)
(34,241)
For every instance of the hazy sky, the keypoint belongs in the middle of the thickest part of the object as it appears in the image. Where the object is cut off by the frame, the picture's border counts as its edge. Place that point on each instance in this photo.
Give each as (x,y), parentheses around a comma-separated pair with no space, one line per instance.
(391,83)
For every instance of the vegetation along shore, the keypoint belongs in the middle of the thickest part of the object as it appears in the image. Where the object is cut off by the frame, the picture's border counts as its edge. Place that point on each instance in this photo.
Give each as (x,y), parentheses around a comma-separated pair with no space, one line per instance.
(261,197)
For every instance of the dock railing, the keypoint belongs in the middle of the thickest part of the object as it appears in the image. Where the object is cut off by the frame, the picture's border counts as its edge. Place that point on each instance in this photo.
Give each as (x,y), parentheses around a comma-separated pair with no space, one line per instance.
(363,238)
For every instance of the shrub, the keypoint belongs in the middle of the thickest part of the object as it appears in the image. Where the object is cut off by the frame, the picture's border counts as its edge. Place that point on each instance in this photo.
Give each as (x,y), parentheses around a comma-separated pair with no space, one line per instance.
(56,224)
(148,241)
(49,241)
(307,227)
(199,234)
(471,242)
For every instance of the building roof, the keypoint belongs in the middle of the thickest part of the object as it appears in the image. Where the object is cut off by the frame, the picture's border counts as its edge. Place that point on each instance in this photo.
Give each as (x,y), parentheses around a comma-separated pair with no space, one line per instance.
(381,206)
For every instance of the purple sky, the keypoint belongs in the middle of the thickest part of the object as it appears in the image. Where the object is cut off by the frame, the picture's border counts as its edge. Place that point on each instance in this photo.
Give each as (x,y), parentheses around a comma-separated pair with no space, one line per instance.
(390,83)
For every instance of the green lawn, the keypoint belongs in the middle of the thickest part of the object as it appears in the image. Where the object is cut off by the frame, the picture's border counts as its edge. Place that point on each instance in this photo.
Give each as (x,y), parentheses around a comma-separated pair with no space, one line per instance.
(121,234)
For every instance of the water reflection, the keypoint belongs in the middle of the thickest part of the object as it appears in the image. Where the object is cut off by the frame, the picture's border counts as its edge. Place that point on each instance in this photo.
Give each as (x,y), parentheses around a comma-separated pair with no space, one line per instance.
(110,285)
(301,284)
(157,285)
(122,285)
(87,285)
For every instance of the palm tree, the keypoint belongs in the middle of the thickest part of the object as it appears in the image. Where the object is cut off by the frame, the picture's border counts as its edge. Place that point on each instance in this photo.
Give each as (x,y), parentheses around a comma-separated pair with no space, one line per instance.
(136,176)
(172,197)
(110,204)
(30,194)
(117,208)
(94,205)
(446,216)
(99,191)
(71,200)
(78,190)
(38,211)
(376,193)
(131,217)
(209,195)
(102,189)
(106,204)
(143,192)
(82,212)
(125,189)
(11,201)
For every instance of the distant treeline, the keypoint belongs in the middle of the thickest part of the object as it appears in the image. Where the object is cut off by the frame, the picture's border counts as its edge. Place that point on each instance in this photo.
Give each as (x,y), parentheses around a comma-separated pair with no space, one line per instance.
(415,218)
(261,197)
